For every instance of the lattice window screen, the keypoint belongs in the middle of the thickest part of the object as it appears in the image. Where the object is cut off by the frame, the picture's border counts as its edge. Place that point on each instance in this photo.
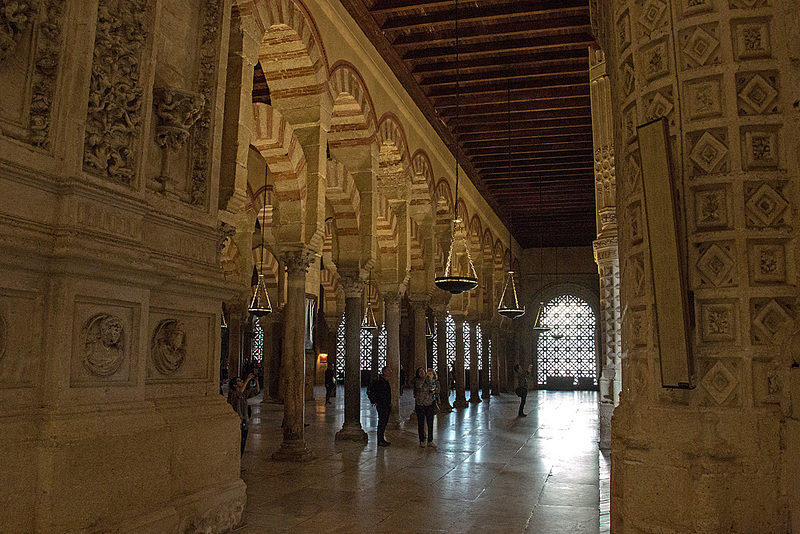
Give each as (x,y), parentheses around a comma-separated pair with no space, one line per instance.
(568,350)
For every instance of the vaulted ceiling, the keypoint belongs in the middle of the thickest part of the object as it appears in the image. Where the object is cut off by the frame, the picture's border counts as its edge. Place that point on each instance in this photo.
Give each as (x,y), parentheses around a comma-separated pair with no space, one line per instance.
(523,119)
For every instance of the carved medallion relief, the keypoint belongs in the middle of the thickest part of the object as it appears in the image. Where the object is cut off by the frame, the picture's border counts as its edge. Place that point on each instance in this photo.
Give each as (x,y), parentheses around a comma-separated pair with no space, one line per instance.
(168,346)
(103,344)
(180,346)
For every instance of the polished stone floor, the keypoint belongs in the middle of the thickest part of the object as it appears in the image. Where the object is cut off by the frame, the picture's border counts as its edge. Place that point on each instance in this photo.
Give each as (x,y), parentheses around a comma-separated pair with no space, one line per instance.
(493,472)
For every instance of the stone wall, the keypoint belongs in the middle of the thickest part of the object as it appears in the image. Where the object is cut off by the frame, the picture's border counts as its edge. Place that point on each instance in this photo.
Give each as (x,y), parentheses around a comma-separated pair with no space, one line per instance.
(110,286)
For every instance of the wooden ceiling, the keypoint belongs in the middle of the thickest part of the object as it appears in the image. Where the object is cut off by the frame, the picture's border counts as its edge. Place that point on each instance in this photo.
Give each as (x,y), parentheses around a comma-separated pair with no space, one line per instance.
(532,54)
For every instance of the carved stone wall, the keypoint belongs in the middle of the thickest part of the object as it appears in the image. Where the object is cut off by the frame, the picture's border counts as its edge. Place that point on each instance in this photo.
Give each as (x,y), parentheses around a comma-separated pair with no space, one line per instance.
(708,459)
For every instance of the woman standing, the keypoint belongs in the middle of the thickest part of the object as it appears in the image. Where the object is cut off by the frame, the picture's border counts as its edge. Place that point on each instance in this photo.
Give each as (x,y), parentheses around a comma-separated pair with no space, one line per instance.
(424,393)
(239,391)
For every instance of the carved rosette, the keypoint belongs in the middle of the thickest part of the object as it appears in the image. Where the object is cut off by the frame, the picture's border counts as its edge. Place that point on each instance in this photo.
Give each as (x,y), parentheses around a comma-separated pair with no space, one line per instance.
(168,346)
(15,19)
(177,111)
(201,146)
(104,344)
(114,113)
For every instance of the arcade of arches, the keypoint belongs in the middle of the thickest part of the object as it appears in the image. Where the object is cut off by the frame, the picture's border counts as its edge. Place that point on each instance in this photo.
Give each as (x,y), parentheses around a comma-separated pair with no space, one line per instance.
(158,156)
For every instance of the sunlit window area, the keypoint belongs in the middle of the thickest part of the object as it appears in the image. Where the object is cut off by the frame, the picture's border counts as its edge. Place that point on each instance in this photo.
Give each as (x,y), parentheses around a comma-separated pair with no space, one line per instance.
(567,352)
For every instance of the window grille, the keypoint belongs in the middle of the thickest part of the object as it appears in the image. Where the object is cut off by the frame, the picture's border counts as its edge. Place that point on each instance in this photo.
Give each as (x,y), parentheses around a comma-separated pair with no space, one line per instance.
(568,349)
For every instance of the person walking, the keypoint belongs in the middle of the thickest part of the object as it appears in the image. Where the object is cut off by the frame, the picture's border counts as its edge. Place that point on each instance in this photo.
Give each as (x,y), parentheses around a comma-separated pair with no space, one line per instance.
(424,397)
(380,394)
(239,391)
(522,387)
(330,383)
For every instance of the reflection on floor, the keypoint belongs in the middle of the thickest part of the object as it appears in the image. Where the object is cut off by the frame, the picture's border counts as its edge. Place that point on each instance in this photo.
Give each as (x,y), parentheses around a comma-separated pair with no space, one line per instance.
(492,472)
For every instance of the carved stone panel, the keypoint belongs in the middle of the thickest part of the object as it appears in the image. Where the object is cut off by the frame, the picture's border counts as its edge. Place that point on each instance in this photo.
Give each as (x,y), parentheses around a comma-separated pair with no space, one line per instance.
(751,39)
(709,152)
(718,321)
(20,338)
(765,205)
(721,380)
(712,208)
(655,58)
(759,148)
(703,98)
(104,337)
(695,7)
(757,92)
(116,91)
(767,262)
(715,264)
(180,345)
(768,317)
(699,46)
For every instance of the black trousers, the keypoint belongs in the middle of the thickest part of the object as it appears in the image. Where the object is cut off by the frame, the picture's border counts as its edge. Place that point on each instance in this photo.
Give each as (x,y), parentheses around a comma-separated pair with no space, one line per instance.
(522,399)
(245,430)
(383,420)
(329,391)
(424,413)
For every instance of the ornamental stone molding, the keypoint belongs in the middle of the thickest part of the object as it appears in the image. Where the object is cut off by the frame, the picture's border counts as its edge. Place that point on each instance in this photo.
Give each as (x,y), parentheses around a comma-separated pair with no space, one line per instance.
(297,260)
(104,344)
(168,346)
(177,111)
(114,113)
(15,19)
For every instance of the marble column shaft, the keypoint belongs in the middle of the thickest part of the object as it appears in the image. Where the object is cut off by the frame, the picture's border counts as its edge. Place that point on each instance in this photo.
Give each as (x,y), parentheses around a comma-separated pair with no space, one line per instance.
(351,429)
(391,301)
(420,307)
(474,358)
(461,398)
(294,446)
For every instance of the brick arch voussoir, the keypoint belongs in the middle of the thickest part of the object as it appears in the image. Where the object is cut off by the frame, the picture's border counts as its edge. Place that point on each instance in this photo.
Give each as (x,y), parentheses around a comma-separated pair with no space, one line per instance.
(278,145)
(353,116)
(344,198)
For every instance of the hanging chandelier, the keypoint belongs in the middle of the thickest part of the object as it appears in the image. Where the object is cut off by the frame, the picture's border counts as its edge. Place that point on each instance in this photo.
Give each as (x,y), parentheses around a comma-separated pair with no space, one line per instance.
(509,303)
(368,323)
(458,276)
(222,322)
(428,329)
(259,302)
(538,326)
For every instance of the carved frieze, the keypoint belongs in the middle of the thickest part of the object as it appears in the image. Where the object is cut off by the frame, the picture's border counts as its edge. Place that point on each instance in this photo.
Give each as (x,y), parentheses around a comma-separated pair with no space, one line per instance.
(114,113)
(201,144)
(15,19)
(176,112)
(104,344)
(168,346)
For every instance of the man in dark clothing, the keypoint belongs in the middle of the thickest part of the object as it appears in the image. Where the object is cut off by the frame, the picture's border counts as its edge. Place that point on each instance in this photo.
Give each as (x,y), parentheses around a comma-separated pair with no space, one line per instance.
(330,383)
(522,387)
(380,393)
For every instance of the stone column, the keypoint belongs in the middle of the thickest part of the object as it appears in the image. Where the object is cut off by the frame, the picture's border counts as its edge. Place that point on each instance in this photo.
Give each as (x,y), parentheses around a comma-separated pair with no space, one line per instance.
(391,303)
(237,317)
(420,307)
(724,76)
(474,357)
(442,370)
(268,355)
(495,359)
(353,289)
(294,446)
(486,336)
(461,398)
(605,247)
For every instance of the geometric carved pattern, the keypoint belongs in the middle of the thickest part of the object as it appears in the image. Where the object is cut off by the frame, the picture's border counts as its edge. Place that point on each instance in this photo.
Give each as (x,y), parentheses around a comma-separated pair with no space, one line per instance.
(716,265)
(767,263)
(768,318)
(656,61)
(629,123)
(699,47)
(628,78)
(571,353)
(660,106)
(718,321)
(758,95)
(765,207)
(635,223)
(623,32)
(651,14)
(693,7)
(751,39)
(708,153)
(711,209)
(760,149)
(719,382)
(747,4)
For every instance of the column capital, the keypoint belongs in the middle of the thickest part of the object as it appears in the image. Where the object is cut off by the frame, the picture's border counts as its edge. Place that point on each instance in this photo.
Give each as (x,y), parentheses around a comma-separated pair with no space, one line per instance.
(297,258)
(392,297)
(352,283)
(419,300)
(606,250)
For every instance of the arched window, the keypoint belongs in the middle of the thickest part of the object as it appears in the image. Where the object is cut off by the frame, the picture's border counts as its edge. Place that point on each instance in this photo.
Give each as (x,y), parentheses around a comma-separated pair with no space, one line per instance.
(257,346)
(566,354)
(382,348)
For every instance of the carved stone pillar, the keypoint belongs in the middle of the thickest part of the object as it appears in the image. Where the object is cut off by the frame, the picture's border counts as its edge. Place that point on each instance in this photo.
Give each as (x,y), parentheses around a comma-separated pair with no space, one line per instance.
(442,370)
(485,342)
(461,397)
(723,75)
(353,289)
(294,446)
(391,302)
(605,247)
(495,359)
(474,358)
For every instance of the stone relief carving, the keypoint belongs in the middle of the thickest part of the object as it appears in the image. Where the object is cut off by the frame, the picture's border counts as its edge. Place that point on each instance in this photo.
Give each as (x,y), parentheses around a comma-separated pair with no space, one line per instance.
(176,112)
(115,93)
(168,347)
(201,146)
(15,18)
(104,344)
(223,518)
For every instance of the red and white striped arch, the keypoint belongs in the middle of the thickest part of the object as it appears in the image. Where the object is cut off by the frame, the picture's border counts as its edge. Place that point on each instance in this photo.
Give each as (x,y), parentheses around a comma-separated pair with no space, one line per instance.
(417,251)
(275,140)
(353,120)
(394,159)
(422,181)
(270,269)
(330,283)
(386,226)
(344,199)
(444,204)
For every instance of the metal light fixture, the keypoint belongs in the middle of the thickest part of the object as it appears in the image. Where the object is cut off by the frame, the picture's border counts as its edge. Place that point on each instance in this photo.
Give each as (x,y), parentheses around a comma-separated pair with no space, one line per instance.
(368,323)
(428,329)
(457,277)
(509,303)
(538,326)
(259,303)
(222,322)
